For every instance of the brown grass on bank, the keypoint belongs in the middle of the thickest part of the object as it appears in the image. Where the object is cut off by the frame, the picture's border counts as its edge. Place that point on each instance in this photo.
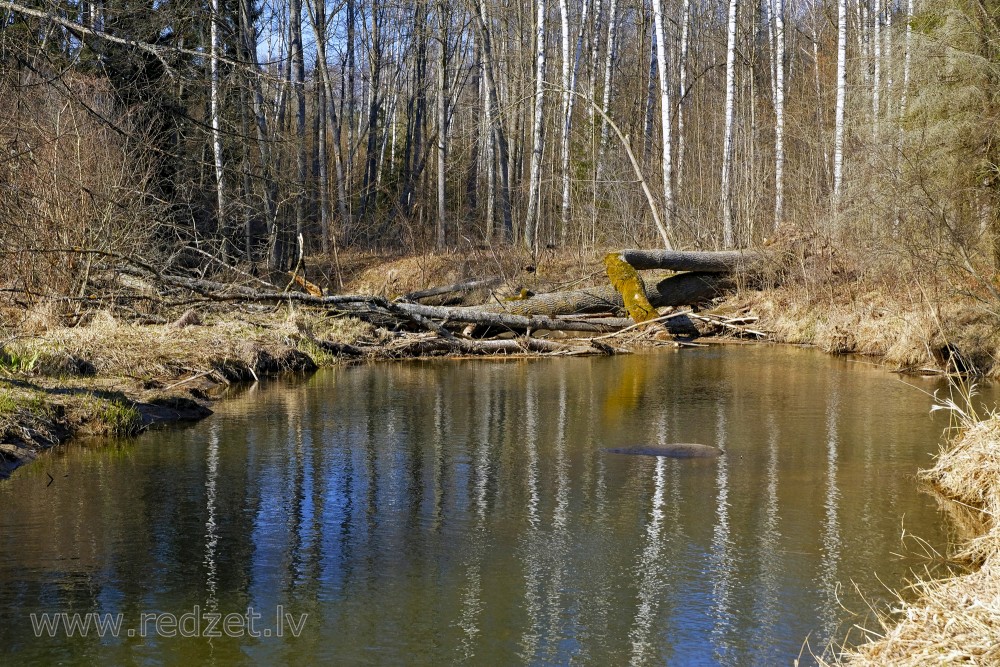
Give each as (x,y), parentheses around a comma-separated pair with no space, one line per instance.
(955,620)
(909,320)
(110,348)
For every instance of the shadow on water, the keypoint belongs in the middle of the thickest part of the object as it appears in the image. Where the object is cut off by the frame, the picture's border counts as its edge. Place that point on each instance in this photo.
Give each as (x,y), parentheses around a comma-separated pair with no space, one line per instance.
(443,512)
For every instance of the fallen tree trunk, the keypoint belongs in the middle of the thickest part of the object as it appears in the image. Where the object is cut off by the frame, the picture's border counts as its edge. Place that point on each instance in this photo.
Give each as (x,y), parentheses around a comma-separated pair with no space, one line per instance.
(726,261)
(680,290)
(467,286)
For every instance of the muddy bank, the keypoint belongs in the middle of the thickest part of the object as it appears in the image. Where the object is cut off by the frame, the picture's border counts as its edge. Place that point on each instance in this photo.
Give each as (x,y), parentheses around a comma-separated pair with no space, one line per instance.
(119,379)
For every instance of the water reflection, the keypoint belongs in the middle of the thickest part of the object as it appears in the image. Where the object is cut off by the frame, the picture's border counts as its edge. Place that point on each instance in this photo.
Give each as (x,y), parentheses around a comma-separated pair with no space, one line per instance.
(466,512)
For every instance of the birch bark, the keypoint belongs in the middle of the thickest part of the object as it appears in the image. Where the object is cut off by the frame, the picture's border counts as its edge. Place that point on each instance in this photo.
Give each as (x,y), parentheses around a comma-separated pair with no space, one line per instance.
(727,142)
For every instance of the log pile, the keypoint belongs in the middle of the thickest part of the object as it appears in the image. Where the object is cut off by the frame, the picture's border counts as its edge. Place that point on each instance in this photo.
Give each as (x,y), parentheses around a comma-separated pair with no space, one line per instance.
(588,320)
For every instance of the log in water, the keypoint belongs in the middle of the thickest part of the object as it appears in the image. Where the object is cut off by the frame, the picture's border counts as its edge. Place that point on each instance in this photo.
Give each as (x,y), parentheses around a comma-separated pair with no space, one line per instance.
(677,450)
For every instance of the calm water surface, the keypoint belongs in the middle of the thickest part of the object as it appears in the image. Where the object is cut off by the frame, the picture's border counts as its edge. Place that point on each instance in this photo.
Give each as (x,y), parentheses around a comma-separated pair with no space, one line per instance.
(464,512)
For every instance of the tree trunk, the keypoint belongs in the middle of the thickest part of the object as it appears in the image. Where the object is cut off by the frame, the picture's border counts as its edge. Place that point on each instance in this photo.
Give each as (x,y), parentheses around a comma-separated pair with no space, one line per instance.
(876,68)
(442,121)
(609,63)
(500,138)
(727,142)
(533,213)
(665,126)
(220,183)
(682,64)
(779,113)
(838,137)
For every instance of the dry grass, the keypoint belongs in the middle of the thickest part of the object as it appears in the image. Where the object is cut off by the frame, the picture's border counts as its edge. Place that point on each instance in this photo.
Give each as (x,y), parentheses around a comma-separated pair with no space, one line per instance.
(900,325)
(107,347)
(955,620)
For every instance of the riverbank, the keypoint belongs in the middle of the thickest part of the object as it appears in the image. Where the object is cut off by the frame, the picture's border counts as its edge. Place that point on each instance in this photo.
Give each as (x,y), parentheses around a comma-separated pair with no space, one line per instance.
(955,620)
(112,377)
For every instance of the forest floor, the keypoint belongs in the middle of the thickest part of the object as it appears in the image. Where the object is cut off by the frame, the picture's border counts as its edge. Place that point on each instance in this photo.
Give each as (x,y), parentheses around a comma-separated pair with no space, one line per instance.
(107,374)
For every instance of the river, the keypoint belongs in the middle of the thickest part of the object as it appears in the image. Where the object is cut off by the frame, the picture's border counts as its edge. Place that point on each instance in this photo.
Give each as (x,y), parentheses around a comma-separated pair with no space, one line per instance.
(465,511)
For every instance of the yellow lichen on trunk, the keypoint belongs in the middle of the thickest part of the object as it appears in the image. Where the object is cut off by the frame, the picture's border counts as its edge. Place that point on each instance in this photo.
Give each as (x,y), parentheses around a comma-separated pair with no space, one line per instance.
(628,283)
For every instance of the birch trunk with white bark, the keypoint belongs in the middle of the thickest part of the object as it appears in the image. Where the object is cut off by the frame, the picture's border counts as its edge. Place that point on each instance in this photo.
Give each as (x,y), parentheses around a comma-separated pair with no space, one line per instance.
(665,127)
(779,112)
(838,137)
(535,178)
(727,142)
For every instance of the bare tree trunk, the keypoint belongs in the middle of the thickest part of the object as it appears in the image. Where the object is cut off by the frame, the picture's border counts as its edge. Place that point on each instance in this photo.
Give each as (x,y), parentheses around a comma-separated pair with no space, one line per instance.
(904,92)
(500,138)
(665,125)
(609,63)
(532,214)
(779,112)
(682,65)
(727,143)
(350,92)
(838,137)
(298,82)
(876,67)
(567,112)
(324,177)
(442,142)
(249,46)
(220,181)
(368,189)
(595,43)
(647,130)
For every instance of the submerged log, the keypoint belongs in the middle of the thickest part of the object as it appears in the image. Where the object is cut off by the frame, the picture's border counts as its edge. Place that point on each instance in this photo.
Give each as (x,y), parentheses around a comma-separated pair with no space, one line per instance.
(678,450)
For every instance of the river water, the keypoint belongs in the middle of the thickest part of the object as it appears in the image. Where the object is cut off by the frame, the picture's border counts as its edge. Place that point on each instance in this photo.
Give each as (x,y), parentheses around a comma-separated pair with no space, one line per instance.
(441,512)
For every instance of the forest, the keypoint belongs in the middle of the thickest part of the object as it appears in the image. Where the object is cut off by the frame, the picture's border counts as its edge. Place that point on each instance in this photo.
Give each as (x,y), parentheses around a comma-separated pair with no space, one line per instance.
(234,132)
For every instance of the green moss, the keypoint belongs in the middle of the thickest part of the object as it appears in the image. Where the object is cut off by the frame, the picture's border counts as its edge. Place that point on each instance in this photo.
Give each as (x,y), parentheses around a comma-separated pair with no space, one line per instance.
(627,282)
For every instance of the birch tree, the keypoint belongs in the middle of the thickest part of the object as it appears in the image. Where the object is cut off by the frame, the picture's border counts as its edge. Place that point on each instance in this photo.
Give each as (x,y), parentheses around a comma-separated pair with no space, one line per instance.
(838,139)
(609,63)
(215,103)
(532,214)
(568,85)
(299,85)
(661,64)
(682,66)
(727,141)
(499,143)
(876,65)
(442,121)
(779,112)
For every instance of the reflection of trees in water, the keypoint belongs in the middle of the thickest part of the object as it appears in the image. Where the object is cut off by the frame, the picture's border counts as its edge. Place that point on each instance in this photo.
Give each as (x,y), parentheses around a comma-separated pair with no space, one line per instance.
(651,574)
(721,558)
(830,552)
